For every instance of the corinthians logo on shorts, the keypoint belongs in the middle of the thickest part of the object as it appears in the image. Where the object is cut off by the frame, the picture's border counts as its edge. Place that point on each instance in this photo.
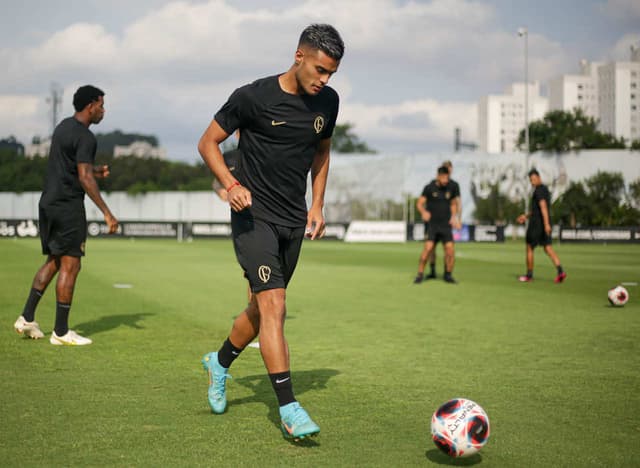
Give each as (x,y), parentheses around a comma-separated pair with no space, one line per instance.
(264,273)
(318,124)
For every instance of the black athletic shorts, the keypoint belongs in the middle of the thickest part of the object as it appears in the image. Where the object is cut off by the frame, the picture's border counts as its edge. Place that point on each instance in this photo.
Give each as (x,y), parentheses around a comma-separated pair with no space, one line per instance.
(439,233)
(537,236)
(63,229)
(267,253)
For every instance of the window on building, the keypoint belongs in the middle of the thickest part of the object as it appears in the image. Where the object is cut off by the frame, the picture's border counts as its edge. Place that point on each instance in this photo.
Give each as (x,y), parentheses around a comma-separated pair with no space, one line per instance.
(579,86)
(579,97)
(502,146)
(633,107)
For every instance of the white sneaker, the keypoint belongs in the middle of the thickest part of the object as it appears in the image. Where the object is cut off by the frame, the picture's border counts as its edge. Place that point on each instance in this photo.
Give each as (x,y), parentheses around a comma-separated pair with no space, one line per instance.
(30,329)
(71,338)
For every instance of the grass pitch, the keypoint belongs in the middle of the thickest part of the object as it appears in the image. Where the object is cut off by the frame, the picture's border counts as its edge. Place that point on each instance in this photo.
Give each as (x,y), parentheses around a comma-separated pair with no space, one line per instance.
(555,367)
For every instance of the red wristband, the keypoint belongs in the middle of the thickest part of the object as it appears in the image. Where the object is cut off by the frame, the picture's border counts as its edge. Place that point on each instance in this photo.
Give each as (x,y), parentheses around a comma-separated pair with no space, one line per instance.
(235,184)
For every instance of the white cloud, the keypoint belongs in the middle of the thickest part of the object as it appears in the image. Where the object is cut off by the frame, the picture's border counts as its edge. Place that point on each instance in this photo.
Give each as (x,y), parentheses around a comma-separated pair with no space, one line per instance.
(621,51)
(19,115)
(622,9)
(167,72)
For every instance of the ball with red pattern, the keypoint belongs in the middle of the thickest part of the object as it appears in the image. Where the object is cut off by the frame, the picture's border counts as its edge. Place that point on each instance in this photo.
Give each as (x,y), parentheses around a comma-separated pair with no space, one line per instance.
(460,427)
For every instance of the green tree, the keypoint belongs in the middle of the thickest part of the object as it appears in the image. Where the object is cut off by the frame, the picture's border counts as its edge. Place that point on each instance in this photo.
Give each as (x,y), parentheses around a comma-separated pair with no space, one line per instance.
(497,208)
(345,141)
(635,145)
(562,131)
(573,207)
(600,201)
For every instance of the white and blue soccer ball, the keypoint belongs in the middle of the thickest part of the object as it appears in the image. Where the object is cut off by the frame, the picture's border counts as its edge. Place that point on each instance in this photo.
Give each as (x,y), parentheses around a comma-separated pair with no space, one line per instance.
(460,427)
(618,296)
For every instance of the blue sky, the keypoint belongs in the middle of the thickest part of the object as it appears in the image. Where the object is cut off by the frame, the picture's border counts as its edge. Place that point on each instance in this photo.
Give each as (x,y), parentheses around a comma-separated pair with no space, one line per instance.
(413,70)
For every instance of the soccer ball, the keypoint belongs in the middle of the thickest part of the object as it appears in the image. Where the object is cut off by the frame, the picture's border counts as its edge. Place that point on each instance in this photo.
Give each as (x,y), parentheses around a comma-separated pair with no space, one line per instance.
(460,427)
(618,296)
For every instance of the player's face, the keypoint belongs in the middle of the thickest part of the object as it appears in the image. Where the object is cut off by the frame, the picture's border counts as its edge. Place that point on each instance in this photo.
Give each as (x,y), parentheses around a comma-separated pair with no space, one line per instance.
(534,179)
(443,179)
(97,110)
(314,68)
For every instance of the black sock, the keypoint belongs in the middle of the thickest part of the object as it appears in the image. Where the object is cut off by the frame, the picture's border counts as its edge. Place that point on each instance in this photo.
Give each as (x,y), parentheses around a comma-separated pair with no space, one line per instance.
(433,268)
(227,354)
(447,274)
(29,311)
(62,318)
(281,383)
(560,270)
(529,273)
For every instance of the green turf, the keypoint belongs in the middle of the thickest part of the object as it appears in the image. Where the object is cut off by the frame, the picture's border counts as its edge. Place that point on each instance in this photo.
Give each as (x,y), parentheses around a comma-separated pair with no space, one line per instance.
(556,368)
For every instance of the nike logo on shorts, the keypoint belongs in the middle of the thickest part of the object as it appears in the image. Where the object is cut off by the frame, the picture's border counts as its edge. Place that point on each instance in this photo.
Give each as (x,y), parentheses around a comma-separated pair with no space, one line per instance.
(275,124)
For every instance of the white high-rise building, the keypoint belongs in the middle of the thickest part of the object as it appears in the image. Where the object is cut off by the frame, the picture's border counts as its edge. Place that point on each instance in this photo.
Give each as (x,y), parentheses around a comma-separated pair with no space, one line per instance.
(608,92)
(568,92)
(619,97)
(502,117)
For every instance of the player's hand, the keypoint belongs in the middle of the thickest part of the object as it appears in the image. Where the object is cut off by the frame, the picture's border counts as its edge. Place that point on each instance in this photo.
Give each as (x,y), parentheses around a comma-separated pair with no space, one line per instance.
(522,219)
(315,224)
(455,223)
(101,172)
(239,198)
(547,228)
(112,223)
(426,216)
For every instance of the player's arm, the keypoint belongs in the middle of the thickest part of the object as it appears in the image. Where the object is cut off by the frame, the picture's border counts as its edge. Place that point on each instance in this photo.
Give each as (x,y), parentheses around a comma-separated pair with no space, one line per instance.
(421,206)
(209,147)
(319,173)
(90,186)
(454,221)
(544,210)
(523,217)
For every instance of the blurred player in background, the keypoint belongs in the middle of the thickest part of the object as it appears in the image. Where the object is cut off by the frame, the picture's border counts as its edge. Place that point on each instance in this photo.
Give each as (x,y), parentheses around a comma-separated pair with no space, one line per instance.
(539,228)
(438,207)
(63,222)
(286,123)
(455,190)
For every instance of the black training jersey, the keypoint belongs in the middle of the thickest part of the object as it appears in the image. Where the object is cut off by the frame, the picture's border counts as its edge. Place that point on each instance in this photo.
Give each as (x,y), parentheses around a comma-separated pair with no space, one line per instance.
(71,143)
(541,192)
(439,201)
(279,137)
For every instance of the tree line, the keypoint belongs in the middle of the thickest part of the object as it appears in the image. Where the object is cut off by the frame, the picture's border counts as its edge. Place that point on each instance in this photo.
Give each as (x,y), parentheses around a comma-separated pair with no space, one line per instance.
(600,200)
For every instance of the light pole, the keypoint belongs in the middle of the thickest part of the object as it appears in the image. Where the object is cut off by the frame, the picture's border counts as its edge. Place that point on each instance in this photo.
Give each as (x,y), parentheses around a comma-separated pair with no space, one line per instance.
(523,32)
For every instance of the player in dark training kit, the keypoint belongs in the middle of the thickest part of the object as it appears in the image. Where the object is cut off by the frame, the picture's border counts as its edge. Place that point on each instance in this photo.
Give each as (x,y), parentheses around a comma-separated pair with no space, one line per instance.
(539,229)
(286,122)
(63,223)
(455,188)
(439,208)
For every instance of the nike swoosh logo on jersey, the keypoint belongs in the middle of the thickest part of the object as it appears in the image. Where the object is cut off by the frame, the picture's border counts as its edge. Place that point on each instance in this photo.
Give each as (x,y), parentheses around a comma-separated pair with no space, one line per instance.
(283,380)
(275,124)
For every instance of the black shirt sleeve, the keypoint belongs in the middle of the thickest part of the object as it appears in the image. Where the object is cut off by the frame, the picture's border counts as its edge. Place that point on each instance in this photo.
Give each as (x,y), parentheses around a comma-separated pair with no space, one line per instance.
(237,111)
(86,150)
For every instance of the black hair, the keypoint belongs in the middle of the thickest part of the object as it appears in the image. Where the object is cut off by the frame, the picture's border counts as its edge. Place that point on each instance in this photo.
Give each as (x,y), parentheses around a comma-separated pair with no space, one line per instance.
(443,170)
(85,95)
(323,37)
(534,171)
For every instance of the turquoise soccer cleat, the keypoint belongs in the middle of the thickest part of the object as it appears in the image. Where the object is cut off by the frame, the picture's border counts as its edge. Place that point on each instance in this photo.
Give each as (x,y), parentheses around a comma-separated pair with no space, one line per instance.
(296,423)
(217,382)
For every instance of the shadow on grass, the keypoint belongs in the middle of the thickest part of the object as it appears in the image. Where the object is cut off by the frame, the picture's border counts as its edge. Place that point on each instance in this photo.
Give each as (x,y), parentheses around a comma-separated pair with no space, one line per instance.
(436,456)
(303,381)
(110,322)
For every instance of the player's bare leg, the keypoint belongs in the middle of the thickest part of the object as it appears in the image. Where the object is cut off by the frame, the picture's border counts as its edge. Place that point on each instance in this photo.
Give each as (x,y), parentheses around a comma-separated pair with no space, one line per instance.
(529,260)
(26,324)
(561,275)
(449,259)
(67,275)
(427,251)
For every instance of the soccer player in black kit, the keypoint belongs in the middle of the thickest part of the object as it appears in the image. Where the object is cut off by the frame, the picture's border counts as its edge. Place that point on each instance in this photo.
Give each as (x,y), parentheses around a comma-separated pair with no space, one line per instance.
(539,229)
(63,223)
(286,122)
(455,187)
(438,207)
